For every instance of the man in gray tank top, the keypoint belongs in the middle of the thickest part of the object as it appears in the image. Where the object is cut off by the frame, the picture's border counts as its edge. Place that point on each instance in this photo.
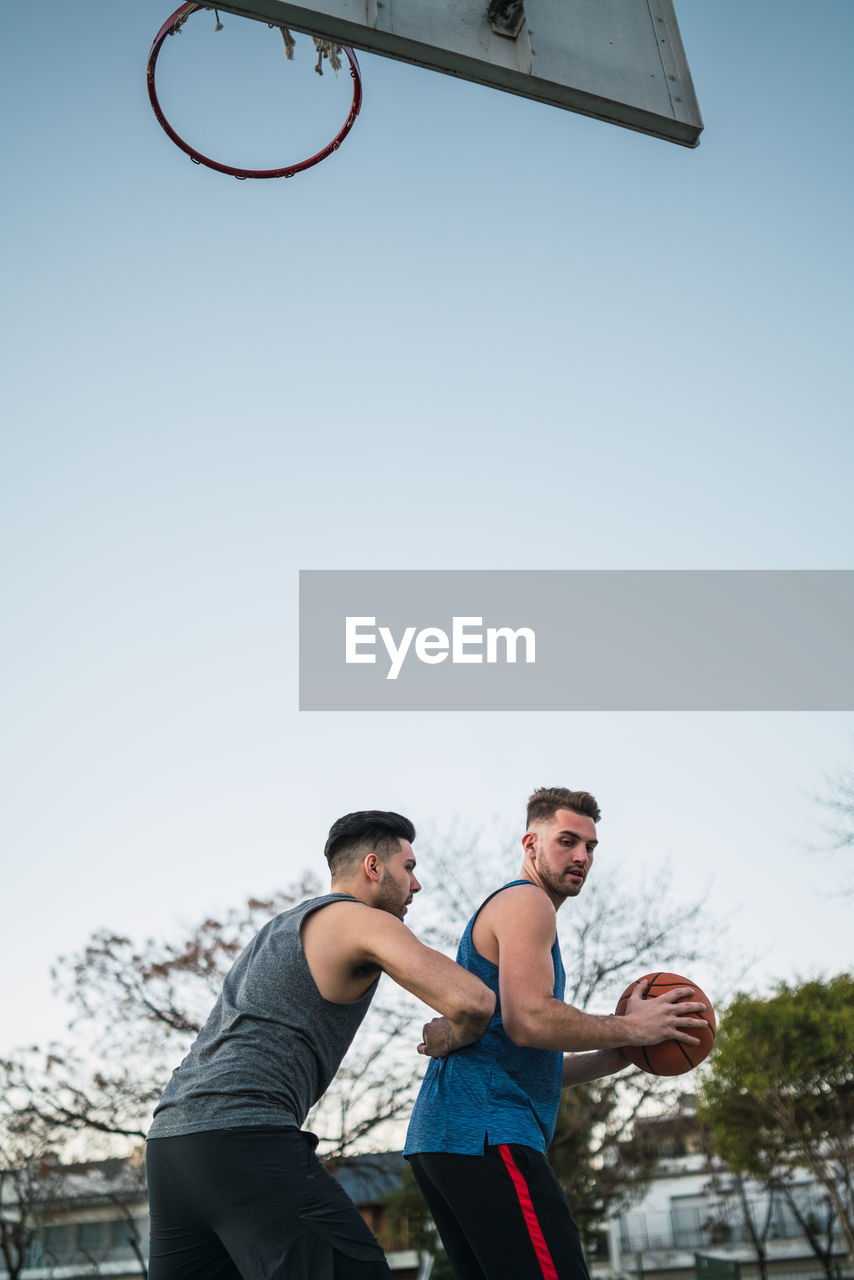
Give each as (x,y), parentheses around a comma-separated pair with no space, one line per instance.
(236,1191)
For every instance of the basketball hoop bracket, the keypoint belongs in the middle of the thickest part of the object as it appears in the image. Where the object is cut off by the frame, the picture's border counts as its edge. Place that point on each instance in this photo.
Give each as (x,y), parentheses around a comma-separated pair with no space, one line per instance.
(506,17)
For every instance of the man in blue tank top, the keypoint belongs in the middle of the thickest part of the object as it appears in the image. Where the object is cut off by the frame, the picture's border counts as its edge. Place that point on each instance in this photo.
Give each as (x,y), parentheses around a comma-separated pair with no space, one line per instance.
(485,1116)
(235,1189)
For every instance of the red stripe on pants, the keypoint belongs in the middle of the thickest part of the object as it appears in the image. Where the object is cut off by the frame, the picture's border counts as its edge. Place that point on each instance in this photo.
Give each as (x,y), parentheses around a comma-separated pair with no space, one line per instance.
(538,1240)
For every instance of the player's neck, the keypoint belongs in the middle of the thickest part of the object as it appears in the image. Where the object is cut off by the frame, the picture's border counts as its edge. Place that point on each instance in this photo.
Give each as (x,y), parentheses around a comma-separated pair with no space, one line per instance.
(340,884)
(529,872)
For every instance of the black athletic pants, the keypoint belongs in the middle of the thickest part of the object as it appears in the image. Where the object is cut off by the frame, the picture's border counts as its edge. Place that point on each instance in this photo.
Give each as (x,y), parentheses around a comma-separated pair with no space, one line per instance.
(253,1204)
(501,1215)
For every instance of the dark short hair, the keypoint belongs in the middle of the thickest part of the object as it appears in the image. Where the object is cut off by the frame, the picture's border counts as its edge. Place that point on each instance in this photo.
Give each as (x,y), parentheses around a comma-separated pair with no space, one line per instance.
(546,802)
(370,829)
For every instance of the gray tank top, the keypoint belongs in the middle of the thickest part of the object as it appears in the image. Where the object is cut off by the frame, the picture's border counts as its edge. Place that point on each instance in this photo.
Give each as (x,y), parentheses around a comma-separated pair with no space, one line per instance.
(272,1043)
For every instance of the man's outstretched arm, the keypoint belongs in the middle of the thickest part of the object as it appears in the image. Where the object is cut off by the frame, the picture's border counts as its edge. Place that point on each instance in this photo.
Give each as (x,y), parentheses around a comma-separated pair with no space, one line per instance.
(581,1068)
(465,1003)
(524,924)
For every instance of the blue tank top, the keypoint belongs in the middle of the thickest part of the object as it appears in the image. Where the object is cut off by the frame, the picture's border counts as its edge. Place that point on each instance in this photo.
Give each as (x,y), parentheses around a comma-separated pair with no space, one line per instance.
(493,1091)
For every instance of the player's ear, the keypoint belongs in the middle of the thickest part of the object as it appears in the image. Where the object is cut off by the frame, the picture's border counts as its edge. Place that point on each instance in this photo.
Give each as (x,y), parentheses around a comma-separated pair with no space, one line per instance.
(528,841)
(372,866)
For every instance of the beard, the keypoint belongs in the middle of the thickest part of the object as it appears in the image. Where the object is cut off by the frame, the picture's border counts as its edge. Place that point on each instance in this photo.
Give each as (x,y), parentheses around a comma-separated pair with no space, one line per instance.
(391,898)
(562,885)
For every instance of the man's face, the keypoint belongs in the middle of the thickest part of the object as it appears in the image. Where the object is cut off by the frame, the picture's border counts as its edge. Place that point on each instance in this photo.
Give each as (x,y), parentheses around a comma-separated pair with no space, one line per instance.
(398,885)
(561,848)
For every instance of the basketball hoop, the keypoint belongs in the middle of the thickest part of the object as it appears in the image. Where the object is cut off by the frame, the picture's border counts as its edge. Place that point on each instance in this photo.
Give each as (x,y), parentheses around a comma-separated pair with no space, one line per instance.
(174,24)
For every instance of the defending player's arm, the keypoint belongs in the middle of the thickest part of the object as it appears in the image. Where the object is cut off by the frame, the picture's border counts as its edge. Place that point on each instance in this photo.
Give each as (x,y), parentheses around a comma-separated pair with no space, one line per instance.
(523,922)
(581,1068)
(465,1003)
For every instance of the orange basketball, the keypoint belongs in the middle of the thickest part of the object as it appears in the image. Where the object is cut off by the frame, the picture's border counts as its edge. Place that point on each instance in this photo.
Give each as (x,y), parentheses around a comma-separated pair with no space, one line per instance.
(671,1057)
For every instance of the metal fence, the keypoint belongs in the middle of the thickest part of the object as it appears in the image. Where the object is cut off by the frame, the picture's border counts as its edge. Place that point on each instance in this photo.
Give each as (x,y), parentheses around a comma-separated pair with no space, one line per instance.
(714,1224)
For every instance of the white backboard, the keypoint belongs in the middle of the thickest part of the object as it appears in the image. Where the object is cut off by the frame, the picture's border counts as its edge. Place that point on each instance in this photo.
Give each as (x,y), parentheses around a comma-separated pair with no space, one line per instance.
(618,60)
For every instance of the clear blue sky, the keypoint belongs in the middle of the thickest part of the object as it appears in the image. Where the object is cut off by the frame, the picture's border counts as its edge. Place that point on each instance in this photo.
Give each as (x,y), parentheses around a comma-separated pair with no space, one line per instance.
(484,334)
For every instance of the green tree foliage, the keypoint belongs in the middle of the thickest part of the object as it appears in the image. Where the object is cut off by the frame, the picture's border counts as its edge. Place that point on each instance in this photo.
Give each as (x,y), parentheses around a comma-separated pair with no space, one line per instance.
(779,1093)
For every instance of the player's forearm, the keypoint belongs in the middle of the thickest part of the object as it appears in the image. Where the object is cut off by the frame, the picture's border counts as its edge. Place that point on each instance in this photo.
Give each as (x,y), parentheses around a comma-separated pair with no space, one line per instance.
(558,1026)
(467,1028)
(581,1068)
(460,997)
(470,1019)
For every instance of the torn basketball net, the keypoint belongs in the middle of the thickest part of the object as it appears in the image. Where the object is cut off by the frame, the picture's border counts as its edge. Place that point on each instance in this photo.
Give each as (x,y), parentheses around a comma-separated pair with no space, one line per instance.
(326,49)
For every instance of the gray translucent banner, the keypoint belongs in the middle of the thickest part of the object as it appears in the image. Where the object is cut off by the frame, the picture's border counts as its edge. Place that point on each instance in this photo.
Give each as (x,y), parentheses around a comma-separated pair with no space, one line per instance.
(576,640)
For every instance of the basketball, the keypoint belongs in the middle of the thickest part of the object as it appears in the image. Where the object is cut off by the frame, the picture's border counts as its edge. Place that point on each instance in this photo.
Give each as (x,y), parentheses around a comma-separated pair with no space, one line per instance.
(671,1057)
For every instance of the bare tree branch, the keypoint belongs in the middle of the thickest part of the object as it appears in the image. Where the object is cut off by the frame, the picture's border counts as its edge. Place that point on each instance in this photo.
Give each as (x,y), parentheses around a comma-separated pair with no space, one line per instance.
(839,803)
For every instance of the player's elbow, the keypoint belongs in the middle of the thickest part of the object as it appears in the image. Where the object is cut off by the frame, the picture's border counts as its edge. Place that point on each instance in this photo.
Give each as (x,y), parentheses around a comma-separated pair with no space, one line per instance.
(483,1006)
(520,1027)
(477,1008)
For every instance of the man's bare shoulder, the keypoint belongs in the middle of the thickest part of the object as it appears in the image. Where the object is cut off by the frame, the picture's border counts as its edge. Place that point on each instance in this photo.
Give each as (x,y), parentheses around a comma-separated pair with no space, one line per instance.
(520,902)
(347,942)
(521,912)
(339,907)
(349,915)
